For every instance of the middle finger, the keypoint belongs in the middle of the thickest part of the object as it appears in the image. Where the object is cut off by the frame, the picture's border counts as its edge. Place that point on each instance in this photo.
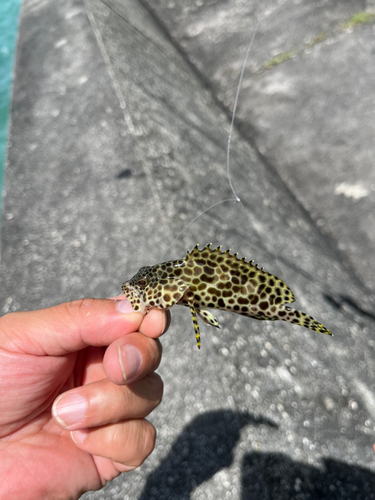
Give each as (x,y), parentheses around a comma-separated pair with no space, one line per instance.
(102,402)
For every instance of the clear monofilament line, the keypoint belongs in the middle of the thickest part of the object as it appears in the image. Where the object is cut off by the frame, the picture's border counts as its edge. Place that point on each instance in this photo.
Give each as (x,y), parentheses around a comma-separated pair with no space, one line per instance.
(235,109)
(236,198)
(191,222)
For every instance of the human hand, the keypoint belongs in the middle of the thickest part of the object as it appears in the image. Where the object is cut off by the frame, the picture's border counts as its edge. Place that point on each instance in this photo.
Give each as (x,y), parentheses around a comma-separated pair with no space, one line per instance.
(58,358)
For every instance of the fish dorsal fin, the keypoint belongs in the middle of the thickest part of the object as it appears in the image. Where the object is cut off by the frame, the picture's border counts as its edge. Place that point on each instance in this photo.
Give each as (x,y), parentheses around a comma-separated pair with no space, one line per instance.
(200,257)
(196,252)
(242,269)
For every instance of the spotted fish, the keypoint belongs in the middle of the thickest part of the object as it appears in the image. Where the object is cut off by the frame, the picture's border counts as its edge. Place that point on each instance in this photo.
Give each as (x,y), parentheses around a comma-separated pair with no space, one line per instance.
(212,279)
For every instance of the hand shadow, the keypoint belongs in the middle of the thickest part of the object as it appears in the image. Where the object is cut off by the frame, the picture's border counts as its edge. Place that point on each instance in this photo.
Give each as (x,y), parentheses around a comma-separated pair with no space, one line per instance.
(276,476)
(203,448)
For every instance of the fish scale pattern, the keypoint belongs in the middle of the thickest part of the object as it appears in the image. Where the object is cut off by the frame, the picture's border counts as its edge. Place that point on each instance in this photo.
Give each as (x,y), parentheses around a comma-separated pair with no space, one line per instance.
(211,279)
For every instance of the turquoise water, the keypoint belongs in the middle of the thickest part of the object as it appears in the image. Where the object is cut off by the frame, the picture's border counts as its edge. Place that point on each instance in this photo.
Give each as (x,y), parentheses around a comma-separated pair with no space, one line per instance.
(9,11)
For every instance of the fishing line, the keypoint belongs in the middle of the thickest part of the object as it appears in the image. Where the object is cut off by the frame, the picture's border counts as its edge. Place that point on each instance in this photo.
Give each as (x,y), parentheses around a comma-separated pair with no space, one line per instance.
(191,222)
(234,112)
(236,198)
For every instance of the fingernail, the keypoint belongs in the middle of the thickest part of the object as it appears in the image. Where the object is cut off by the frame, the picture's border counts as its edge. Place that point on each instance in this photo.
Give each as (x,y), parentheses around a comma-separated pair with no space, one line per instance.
(69,409)
(124,306)
(167,321)
(130,360)
(79,436)
(128,468)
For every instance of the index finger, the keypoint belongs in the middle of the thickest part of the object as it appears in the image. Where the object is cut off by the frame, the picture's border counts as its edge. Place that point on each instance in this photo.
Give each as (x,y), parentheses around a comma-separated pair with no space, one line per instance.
(72,326)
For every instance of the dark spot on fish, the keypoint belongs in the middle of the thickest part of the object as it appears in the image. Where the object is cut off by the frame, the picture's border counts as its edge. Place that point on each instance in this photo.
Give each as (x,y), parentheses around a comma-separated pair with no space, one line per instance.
(243,300)
(208,279)
(208,270)
(200,262)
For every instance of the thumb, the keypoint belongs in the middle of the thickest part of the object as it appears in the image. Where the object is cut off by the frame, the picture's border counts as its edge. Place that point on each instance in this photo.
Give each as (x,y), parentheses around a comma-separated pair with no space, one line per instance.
(68,327)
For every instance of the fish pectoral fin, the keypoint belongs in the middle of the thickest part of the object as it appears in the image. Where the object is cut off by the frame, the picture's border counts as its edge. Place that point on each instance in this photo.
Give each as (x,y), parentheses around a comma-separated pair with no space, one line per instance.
(208,318)
(196,326)
(175,289)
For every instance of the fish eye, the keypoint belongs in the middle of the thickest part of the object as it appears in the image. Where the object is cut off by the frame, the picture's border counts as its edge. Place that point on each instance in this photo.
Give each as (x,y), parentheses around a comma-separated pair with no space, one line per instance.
(142,282)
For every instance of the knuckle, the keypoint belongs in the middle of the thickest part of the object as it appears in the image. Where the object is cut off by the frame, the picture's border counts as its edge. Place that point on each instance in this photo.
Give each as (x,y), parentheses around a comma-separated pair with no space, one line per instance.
(76,310)
(79,307)
(141,446)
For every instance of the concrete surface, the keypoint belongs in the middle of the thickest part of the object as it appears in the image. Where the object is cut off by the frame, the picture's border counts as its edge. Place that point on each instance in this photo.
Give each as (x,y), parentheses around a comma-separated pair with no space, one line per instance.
(118,140)
(312,117)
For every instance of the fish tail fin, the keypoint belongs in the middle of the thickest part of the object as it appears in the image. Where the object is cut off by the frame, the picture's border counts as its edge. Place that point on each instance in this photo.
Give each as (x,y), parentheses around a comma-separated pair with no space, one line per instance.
(300,318)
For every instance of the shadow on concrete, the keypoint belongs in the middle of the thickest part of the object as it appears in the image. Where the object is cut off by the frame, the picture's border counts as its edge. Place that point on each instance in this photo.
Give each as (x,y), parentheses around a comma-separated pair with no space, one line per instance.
(204,447)
(341,300)
(275,476)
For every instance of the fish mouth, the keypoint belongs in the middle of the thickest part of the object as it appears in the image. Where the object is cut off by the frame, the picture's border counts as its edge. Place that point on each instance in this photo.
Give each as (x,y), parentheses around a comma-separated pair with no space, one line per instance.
(134,297)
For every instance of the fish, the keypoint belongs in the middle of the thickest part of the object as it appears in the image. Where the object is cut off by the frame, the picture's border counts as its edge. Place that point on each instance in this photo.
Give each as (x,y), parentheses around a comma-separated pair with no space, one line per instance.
(212,279)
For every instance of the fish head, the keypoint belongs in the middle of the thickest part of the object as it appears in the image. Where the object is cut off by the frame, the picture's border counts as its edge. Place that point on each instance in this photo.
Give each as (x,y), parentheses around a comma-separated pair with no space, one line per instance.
(152,286)
(138,290)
